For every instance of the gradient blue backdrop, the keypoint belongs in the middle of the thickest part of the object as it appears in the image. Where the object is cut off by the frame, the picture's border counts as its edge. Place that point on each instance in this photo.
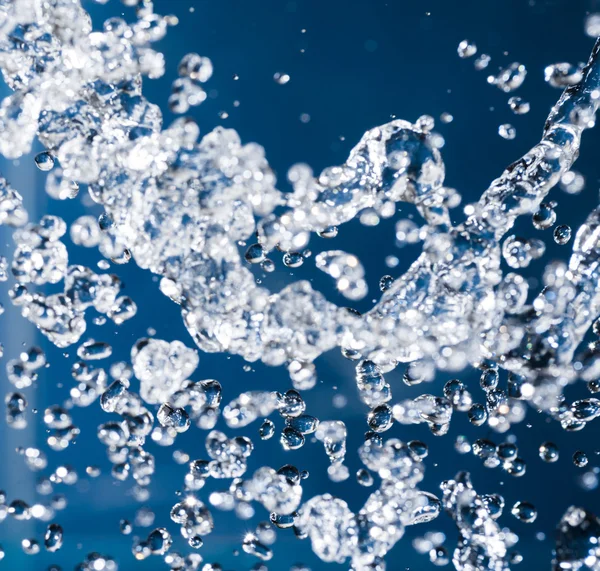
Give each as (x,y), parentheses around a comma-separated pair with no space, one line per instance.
(359,63)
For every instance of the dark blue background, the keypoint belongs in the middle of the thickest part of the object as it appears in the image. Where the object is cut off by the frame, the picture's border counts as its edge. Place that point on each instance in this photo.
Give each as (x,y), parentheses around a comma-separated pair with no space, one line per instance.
(364,62)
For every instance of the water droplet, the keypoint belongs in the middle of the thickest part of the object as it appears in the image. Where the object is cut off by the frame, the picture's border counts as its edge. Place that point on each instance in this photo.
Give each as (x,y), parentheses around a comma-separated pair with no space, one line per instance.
(548,452)
(518,105)
(507,131)
(466,49)
(562,234)
(524,512)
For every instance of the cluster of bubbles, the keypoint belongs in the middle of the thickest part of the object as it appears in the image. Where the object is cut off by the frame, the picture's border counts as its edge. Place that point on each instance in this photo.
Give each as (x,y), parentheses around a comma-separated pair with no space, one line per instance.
(182,208)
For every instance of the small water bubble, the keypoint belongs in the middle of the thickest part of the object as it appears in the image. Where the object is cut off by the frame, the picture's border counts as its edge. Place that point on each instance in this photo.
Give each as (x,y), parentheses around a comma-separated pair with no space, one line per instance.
(418,448)
(291,439)
(85,231)
(195,542)
(293,259)
(144,517)
(338,472)
(516,467)
(589,481)
(53,538)
(477,415)
(518,105)
(545,217)
(510,78)
(466,49)
(594,385)
(482,62)
(572,182)
(548,452)
(562,234)
(592,25)
(439,556)
(561,75)
(125,527)
(524,512)
(44,161)
(380,418)
(507,131)
(507,451)
(364,478)
(329,232)
(30,546)
(255,254)
(580,459)
(281,78)
(407,232)
(172,417)
(267,429)
(385,282)
(461,445)
(159,541)
(94,350)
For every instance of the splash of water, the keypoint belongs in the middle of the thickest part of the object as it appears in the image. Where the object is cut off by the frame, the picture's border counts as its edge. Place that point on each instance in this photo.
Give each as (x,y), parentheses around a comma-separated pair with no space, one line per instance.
(178,207)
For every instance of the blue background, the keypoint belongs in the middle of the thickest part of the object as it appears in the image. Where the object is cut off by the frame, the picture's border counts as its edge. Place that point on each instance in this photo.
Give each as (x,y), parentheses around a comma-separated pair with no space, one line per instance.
(364,61)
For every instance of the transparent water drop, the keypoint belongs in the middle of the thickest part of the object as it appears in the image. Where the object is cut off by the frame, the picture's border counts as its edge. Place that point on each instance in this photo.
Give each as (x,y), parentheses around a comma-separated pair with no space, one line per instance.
(545,217)
(592,25)
(466,49)
(524,512)
(580,459)
(518,105)
(172,417)
(293,259)
(548,452)
(44,161)
(53,538)
(562,234)
(291,439)
(255,254)
(507,131)
(267,429)
(364,478)
(30,546)
(482,62)
(281,78)
(439,556)
(561,75)
(510,78)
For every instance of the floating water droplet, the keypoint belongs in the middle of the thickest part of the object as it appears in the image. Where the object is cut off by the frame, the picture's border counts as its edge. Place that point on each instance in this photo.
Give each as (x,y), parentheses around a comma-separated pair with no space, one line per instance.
(507,131)
(53,538)
(171,417)
(510,78)
(548,452)
(267,430)
(580,459)
(592,25)
(30,546)
(561,75)
(482,62)
(545,217)
(439,556)
(562,234)
(291,439)
(44,161)
(524,512)
(466,49)
(518,105)
(293,259)
(281,78)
